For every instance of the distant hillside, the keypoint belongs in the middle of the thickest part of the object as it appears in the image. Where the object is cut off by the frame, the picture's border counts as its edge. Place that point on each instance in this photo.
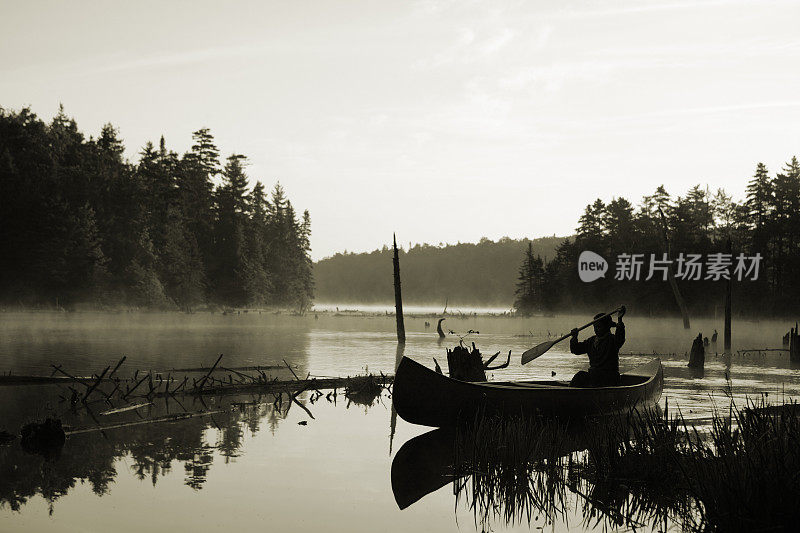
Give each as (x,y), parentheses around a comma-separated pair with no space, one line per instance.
(466,274)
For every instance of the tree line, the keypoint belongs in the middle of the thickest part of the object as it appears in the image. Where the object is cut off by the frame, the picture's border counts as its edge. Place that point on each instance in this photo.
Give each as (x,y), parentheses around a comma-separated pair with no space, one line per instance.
(81,224)
(766,222)
(463,274)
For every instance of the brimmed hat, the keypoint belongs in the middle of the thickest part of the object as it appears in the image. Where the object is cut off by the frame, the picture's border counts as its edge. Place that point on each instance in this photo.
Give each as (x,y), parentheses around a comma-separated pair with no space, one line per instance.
(607,320)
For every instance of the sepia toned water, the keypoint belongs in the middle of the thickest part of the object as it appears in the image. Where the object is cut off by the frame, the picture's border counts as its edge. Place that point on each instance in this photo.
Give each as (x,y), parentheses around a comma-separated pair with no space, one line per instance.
(252,466)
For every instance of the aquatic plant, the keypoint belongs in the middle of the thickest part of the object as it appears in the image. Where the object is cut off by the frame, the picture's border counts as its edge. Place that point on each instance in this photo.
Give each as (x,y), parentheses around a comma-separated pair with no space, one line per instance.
(745,473)
(514,468)
(647,467)
(364,390)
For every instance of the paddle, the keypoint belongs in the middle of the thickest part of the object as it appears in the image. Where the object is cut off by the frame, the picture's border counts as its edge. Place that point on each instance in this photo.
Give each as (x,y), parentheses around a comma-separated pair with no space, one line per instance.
(539,349)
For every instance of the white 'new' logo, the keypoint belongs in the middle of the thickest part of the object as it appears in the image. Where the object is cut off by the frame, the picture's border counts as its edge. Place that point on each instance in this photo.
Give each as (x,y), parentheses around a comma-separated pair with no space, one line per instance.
(591,266)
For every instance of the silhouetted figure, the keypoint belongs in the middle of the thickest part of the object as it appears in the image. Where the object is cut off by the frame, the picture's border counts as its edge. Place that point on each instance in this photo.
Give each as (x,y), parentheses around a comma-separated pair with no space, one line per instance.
(697,356)
(714,337)
(439,328)
(603,350)
(705,342)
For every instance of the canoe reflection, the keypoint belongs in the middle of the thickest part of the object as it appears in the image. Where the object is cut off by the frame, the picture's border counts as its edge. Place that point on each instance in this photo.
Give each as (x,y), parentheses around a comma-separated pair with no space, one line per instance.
(524,472)
(423,465)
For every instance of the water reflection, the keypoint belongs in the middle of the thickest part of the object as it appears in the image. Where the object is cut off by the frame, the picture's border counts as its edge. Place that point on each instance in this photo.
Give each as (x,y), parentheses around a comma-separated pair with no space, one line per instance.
(154,450)
(337,462)
(546,473)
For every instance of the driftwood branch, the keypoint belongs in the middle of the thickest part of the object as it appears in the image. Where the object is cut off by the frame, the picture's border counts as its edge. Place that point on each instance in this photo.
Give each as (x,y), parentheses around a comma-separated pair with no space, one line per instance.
(492,358)
(95,384)
(205,378)
(135,386)
(498,367)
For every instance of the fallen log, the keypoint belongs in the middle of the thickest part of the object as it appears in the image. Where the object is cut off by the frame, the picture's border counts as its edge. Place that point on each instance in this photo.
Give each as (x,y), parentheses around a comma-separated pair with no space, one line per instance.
(746,351)
(42,380)
(282,386)
(229,368)
(165,418)
(125,409)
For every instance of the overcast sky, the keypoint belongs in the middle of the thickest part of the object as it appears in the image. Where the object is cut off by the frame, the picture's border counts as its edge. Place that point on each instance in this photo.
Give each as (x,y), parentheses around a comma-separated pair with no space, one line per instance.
(443,121)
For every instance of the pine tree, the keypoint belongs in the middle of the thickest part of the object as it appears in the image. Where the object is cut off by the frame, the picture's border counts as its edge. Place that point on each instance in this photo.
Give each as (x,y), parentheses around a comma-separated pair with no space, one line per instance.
(254,271)
(195,187)
(590,225)
(760,191)
(618,224)
(785,224)
(205,152)
(529,291)
(72,256)
(229,242)
(760,205)
(305,275)
(181,267)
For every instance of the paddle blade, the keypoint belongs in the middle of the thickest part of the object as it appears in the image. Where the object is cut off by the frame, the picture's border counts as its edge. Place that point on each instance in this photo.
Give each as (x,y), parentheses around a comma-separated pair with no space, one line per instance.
(536,351)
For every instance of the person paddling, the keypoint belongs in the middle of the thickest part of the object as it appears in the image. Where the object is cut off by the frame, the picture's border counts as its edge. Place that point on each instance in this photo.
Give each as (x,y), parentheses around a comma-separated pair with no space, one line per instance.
(603,350)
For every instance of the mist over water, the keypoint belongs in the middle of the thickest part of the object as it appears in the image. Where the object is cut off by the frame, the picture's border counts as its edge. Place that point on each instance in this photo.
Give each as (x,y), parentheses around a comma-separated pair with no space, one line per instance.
(345,343)
(252,466)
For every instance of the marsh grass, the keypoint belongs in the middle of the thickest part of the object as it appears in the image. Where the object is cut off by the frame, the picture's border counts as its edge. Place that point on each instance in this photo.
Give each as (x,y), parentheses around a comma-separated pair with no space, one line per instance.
(746,474)
(648,468)
(365,390)
(513,469)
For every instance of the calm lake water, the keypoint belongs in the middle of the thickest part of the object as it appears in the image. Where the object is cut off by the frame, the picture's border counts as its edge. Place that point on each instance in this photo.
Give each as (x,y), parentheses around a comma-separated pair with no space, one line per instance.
(251,466)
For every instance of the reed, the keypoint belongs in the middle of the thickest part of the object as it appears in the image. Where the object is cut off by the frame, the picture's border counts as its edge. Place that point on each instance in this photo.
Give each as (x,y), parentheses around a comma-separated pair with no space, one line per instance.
(646,468)
(514,468)
(745,473)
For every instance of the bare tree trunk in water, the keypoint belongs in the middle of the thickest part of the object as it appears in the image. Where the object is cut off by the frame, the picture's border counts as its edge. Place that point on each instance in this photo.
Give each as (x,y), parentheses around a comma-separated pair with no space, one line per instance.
(398,298)
(727,333)
(671,274)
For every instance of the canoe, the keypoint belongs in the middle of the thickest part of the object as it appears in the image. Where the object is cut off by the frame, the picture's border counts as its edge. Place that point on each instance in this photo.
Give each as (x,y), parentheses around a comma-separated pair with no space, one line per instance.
(422,396)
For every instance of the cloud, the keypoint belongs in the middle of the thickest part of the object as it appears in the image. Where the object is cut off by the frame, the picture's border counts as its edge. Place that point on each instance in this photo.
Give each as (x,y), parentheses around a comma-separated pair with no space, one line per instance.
(617,8)
(189,57)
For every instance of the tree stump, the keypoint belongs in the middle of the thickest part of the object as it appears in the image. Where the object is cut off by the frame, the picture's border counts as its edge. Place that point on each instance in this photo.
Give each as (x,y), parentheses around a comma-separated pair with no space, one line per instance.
(697,356)
(465,365)
(794,344)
